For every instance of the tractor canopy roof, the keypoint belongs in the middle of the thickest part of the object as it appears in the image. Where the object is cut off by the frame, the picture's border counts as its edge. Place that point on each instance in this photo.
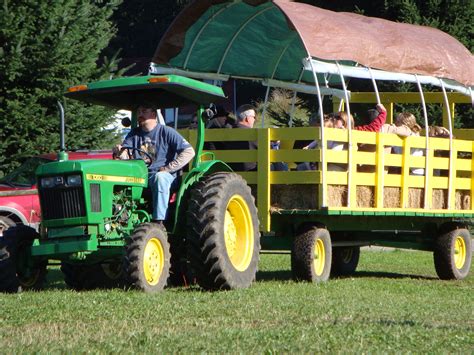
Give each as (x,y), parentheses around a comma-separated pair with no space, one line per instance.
(162,91)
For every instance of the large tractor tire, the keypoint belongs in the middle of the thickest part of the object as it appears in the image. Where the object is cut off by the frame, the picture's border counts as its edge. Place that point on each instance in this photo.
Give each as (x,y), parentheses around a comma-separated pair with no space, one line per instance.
(453,253)
(88,277)
(147,259)
(5,223)
(311,255)
(18,270)
(344,260)
(223,236)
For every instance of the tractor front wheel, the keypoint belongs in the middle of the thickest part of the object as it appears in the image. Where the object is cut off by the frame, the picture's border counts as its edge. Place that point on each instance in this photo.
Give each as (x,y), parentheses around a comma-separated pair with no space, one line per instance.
(453,253)
(147,259)
(224,239)
(18,270)
(311,255)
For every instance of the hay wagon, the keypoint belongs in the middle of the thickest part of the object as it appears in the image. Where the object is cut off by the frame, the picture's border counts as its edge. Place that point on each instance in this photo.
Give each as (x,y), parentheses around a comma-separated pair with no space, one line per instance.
(325,216)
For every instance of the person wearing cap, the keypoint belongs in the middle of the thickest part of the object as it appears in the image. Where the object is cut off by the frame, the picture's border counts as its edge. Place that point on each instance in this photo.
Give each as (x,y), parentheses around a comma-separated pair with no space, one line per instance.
(221,119)
(169,152)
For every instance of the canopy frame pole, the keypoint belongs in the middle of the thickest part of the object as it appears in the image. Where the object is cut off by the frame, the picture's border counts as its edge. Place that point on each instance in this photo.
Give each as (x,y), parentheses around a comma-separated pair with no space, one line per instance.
(293,100)
(380,150)
(349,132)
(236,34)
(323,142)
(427,149)
(450,127)
(374,83)
(176,118)
(204,26)
(472,96)
(265,106)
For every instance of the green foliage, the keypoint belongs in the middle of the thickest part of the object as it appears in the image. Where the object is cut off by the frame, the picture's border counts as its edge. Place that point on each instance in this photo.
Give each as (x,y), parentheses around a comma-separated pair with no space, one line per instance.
(47,46)
(141,24)
(278,110)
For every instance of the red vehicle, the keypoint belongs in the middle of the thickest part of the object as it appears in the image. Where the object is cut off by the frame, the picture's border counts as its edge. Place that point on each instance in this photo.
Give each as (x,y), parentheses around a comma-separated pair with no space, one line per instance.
(19,203)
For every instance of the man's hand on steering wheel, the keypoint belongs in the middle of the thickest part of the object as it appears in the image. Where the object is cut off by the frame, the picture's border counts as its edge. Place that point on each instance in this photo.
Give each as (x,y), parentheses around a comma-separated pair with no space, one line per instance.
(147,158)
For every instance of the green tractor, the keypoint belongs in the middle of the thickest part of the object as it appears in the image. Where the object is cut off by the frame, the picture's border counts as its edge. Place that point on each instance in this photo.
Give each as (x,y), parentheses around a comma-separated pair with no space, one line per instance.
(96,217)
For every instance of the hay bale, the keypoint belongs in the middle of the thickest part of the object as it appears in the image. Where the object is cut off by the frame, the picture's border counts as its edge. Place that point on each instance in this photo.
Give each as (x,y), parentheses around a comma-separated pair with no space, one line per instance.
(294,197)
(337,195)
(415,197)
(463,199)
(391,197)
(440,199)
(365,196)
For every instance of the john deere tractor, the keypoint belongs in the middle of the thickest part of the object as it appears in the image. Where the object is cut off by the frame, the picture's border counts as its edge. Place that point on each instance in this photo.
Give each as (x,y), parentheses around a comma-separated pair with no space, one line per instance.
(96,214)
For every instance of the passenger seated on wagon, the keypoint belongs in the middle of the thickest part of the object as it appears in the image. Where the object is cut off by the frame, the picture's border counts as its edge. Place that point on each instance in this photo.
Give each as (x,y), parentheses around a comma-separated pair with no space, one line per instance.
(341,120)
(407,120)
(439,132)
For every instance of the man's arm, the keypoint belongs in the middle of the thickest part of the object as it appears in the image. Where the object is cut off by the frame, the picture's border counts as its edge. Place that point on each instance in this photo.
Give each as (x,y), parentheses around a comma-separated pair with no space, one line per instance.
(183,158)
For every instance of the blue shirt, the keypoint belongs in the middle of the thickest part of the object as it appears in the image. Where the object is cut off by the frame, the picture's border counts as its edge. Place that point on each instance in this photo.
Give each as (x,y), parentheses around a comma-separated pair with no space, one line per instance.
(162,143)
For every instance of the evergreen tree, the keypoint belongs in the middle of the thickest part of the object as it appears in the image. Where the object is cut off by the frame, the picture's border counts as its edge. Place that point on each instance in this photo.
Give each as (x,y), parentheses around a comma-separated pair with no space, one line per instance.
(45,47)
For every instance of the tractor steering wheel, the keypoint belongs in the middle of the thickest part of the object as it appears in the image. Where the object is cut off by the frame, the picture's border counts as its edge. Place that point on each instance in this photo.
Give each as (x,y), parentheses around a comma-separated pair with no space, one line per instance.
(130,150)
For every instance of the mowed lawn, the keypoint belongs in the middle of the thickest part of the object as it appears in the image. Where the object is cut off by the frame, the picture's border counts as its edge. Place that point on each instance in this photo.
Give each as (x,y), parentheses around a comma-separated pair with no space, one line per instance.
(393,303)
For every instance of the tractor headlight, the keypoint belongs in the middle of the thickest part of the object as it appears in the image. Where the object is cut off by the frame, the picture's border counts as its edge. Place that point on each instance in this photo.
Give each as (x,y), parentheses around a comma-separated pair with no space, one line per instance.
(74,180)
(47,182)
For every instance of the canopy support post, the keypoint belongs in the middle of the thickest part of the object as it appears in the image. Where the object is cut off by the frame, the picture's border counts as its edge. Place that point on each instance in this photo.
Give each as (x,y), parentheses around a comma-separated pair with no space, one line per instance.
(427,197)
(451,173)
(324,186)
(265,106)
(349,148)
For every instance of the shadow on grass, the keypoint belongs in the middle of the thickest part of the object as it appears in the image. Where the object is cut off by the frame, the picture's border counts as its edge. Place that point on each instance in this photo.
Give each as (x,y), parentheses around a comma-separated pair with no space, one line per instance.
(285,275)
(277,275)
(388,275)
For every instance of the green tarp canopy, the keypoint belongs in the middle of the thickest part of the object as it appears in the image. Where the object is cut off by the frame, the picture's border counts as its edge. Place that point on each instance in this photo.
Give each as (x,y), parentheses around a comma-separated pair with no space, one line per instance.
(264,39)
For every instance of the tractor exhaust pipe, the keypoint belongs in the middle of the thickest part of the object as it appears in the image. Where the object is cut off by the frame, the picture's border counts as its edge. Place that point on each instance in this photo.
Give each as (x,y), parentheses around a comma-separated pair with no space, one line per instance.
(62,155)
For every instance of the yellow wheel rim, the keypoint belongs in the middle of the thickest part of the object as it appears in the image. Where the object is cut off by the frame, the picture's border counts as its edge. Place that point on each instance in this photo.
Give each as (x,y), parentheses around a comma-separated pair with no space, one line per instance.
(459,252)
(238,233)
(153,261)
(319,257)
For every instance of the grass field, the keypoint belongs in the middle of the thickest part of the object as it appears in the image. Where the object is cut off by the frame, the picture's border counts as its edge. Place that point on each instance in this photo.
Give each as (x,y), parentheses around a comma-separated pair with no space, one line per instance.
(394,303)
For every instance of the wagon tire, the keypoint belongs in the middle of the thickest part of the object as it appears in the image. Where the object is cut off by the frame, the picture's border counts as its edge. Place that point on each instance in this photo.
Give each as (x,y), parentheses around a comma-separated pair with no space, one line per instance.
(344,261)
(223,240)
(147,258)
(311,255)
(453,254)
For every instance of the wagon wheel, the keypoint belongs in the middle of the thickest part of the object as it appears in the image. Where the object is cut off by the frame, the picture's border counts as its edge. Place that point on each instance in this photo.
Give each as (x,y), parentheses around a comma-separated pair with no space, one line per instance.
(224,240)
(344,260)
(311,255)
(452,254)
(147,260)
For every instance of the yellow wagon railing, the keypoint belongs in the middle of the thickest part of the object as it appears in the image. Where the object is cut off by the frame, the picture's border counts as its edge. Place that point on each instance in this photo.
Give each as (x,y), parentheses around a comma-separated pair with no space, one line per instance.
(389,186)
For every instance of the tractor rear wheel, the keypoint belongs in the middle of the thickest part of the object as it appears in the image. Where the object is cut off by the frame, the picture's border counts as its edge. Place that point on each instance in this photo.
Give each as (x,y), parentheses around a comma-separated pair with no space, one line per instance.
(311,255)
(344,260)
(18,270)
(147,259)
(88,277)
(224,240)
(453,253)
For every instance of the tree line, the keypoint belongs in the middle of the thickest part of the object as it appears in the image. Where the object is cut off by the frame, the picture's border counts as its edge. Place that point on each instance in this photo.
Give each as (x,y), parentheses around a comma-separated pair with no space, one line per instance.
(48,45)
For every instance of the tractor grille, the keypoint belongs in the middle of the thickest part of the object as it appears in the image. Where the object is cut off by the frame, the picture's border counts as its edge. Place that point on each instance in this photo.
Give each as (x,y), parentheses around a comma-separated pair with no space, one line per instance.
(62,202)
